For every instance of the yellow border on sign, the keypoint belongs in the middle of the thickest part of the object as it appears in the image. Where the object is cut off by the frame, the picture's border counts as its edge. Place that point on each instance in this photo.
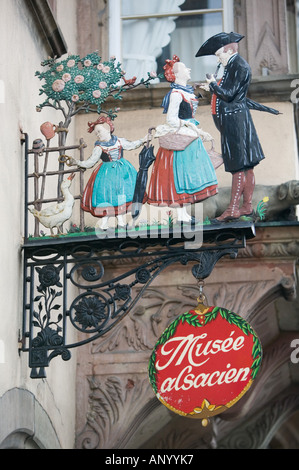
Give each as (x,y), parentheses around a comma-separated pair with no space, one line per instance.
(208,410)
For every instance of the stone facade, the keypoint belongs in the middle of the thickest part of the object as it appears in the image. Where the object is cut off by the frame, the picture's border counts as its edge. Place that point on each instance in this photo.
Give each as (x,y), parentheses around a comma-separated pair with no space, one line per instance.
(32,414)
(102,398)
(117,407)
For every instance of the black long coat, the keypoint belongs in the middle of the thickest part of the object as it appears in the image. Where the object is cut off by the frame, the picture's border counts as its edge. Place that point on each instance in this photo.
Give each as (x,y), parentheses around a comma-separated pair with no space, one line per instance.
(240,145)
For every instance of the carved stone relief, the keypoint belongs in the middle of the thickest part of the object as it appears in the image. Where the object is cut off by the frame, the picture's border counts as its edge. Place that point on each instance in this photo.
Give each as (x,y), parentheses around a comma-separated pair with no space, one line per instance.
(275,359)
(113,404)
(285,437)
(257,432)
(118,408)
(283,199)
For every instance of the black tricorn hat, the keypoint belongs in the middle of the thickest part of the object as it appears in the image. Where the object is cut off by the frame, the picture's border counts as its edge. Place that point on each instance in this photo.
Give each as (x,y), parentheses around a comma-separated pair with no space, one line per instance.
(216,42)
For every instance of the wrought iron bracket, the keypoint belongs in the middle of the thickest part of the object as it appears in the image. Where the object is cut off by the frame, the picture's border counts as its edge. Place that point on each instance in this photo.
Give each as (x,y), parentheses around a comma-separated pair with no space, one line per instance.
(66,290)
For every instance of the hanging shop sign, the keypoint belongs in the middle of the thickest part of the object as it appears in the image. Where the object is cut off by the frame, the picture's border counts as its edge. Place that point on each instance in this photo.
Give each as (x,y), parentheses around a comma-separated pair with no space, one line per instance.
(204,362)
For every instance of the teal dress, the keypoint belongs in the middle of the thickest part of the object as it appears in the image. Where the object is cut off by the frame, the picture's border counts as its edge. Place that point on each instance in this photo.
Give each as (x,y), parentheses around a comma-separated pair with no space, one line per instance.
(110,189)
(193,170)
(186,176)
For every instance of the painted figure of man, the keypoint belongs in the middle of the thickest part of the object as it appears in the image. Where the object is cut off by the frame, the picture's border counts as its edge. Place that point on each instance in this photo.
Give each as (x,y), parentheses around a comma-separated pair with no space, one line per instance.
(241,149)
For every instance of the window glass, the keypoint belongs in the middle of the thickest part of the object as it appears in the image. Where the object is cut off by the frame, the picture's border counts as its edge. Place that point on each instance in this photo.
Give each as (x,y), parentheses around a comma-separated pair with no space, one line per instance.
(145,7)
(292,17)
(137,7)
(189,34)
(155,30)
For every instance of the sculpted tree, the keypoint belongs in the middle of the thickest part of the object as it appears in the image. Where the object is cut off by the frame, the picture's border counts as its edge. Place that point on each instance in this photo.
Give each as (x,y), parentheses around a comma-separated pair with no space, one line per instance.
(76,84)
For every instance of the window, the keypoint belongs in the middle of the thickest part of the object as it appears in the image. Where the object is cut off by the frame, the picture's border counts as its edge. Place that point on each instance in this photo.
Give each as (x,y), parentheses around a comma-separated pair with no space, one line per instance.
(293,32)
(144,34)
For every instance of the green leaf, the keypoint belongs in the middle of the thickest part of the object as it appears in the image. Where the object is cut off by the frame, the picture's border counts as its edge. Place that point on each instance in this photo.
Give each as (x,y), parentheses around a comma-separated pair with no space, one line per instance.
(193,321)
(187,315)
(224,315)
(256,362)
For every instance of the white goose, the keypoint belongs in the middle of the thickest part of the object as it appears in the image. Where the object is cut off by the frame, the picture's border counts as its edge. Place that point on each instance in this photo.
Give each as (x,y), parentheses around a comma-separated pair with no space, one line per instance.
(56,214)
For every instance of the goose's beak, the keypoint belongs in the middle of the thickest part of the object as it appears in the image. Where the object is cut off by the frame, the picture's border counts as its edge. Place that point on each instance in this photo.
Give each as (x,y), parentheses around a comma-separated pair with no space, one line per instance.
(72,176)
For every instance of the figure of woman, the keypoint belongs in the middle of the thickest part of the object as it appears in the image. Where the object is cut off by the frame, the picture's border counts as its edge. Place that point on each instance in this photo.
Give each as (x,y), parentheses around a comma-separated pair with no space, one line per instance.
(187,176)
(110,189)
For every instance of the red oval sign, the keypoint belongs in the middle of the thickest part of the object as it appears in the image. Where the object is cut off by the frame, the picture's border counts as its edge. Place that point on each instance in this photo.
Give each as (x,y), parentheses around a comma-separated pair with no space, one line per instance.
(204,362)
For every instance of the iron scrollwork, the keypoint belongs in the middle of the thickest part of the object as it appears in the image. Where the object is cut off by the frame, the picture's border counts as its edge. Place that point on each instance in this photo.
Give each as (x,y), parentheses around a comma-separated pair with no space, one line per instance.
(55,273)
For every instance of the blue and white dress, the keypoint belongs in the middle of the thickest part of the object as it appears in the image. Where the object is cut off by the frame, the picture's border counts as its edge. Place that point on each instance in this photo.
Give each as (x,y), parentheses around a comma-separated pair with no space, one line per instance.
(186,176)
(110,189)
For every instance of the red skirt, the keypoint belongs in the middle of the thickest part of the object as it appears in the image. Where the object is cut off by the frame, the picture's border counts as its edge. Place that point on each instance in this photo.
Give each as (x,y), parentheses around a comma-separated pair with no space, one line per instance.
(162,191)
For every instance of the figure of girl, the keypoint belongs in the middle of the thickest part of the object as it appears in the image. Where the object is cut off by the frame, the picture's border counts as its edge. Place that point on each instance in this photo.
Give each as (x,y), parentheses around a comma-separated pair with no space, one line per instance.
(110,189)
(187,176)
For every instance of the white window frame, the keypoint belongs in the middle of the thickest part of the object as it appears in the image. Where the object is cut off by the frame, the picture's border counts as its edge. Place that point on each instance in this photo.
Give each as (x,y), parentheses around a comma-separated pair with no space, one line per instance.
(115,22)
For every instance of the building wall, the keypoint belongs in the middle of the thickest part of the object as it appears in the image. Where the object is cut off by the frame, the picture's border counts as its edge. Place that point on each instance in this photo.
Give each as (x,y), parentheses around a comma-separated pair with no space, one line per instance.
(266,26)
(260,285)
(44,408)
(41,413)
(276,133)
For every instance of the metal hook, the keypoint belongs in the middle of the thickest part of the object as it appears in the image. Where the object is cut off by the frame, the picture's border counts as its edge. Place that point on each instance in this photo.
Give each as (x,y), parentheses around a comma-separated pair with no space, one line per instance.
(201,297)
